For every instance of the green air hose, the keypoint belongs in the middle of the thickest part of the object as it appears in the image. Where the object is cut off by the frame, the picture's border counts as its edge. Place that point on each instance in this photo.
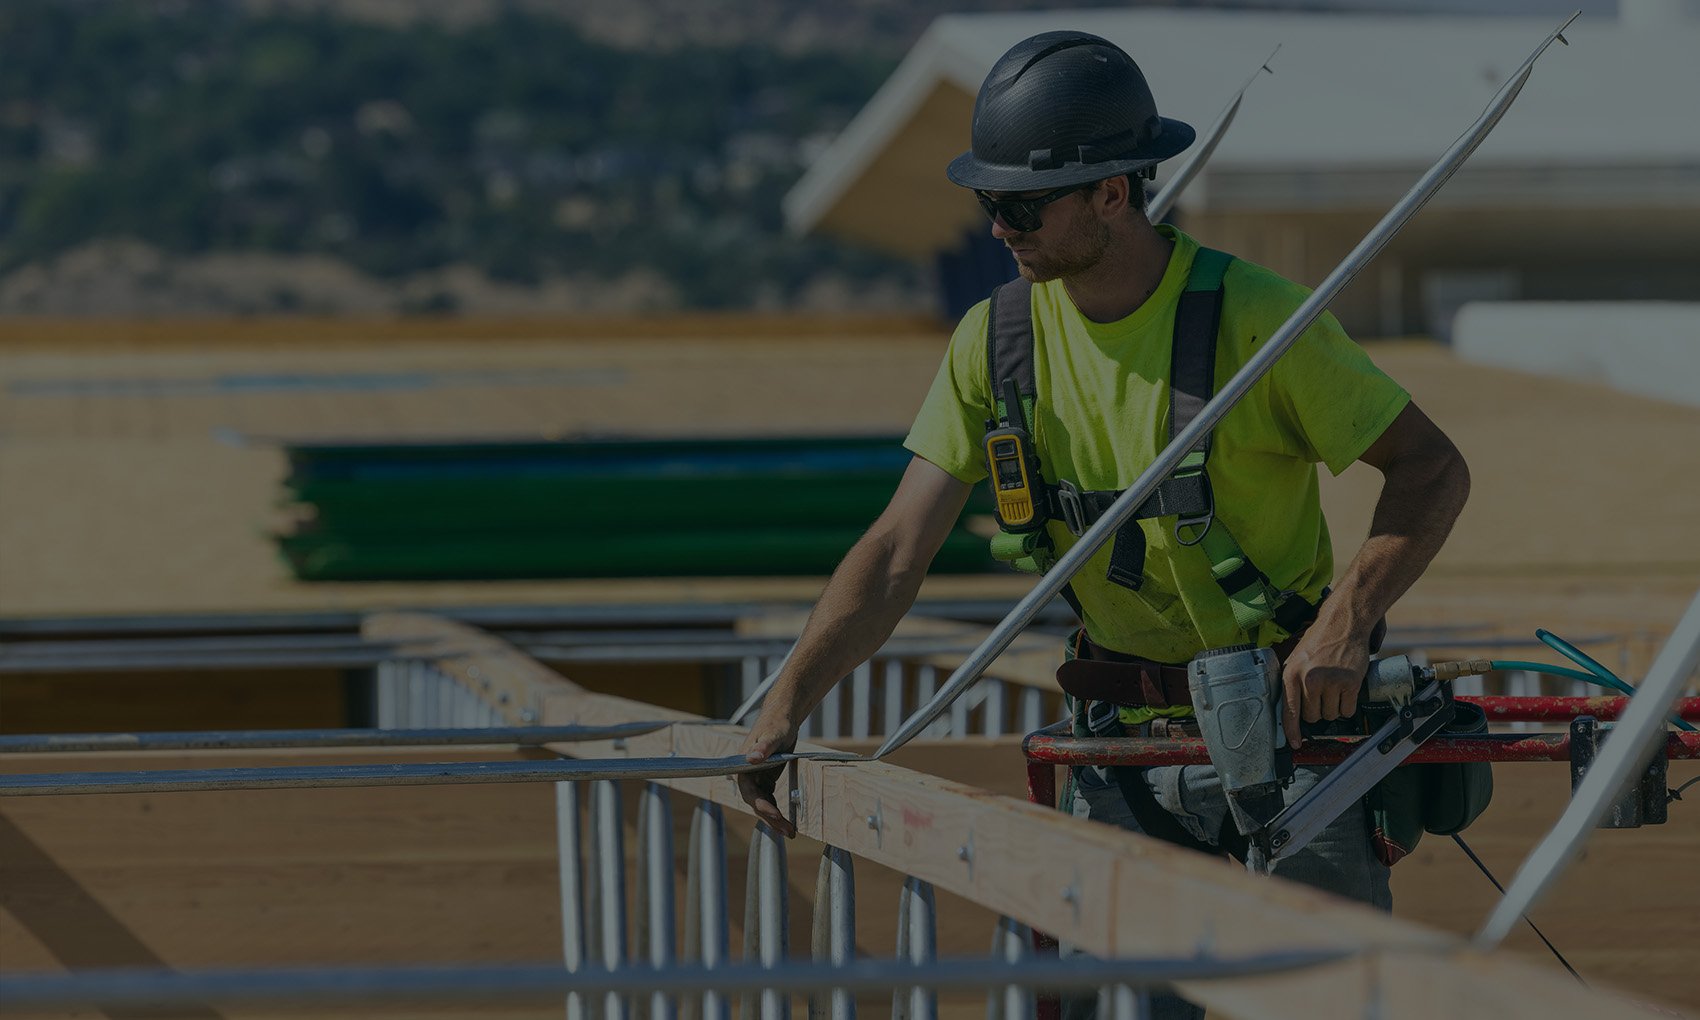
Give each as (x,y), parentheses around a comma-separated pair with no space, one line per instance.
(1576,655)
(1573,674)
(1596,674)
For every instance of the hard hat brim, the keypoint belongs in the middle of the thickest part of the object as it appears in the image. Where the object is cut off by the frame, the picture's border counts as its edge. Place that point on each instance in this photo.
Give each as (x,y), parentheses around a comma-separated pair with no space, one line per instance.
(970,172)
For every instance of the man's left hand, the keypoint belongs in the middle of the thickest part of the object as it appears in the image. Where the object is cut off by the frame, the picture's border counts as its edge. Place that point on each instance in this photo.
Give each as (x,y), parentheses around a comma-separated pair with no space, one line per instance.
(1322,678)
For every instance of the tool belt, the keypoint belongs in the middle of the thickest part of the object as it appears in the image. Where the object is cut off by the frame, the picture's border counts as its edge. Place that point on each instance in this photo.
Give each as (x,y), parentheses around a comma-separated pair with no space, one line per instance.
(1096,673)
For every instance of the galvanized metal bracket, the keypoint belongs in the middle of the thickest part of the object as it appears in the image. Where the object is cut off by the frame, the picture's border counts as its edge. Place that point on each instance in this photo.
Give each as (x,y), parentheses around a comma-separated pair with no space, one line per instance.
(1643,801)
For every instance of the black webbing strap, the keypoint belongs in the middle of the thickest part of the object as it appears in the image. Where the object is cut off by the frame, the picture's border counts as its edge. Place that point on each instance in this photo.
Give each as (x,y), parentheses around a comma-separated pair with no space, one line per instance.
(1127,556)
(1183,497)
(1192,382)
(1102,720)
(1009,357)
(1295,612)
(1009,343)
(1073,600)
(1192,355)
(1152,819)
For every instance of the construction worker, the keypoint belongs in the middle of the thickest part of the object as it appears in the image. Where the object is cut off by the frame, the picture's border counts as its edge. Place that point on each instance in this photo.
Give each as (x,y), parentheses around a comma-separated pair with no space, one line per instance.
(1065,132)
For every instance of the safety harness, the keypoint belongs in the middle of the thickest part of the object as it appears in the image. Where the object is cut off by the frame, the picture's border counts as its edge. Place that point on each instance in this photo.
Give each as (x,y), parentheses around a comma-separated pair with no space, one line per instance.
(1184,495)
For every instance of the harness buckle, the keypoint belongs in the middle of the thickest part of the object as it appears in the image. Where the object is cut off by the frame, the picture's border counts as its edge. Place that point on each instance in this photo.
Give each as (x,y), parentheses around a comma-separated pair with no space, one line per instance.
(1193,466)
(1201,521)
(1072,507)
(1103,719)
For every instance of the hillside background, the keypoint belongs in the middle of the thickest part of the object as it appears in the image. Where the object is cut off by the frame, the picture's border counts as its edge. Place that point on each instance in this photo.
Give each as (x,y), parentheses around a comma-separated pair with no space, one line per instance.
(166,157)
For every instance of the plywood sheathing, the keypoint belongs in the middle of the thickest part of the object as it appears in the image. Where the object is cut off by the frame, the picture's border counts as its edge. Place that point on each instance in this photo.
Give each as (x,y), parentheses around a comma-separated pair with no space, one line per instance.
(1580,519)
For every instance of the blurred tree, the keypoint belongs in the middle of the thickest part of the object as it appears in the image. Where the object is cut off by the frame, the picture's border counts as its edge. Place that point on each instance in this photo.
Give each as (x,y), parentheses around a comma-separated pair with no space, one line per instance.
(513,144)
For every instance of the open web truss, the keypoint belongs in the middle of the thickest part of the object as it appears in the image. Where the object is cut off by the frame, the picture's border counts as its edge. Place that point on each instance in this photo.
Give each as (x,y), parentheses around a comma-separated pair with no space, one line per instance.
(440,682)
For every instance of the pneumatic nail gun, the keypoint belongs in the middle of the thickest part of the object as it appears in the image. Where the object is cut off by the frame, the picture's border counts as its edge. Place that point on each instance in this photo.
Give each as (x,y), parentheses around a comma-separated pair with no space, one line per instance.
(1236,694)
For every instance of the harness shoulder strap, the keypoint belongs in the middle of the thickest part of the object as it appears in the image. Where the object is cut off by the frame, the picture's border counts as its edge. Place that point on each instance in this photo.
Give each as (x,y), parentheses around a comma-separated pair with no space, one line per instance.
(1009,346)
(1009,358)
(1251,596)
(1192,357)
(1192,382)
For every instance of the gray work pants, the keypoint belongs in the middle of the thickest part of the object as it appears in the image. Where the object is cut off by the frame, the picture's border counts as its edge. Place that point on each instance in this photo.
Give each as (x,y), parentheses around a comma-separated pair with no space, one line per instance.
(1339,860)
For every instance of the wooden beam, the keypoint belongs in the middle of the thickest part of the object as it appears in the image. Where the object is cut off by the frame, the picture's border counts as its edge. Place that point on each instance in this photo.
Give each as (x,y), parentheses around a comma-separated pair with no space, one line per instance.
(1110,892)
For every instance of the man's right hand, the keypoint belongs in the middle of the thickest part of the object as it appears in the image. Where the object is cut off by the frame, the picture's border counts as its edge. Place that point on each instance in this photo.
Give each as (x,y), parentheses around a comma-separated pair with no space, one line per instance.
(874,585)
(757,788)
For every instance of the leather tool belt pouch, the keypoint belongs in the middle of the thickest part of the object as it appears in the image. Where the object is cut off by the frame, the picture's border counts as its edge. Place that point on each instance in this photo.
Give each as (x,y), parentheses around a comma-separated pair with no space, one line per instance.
(1099,674)
(1438,797)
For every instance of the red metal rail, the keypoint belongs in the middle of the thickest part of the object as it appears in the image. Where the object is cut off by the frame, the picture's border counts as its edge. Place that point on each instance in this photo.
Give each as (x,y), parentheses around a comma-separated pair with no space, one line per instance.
(1549,709)
(1053,748)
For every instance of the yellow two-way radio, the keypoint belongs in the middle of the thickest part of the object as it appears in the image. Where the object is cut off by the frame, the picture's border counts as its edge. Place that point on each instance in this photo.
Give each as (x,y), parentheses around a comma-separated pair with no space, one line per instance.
(1013,464)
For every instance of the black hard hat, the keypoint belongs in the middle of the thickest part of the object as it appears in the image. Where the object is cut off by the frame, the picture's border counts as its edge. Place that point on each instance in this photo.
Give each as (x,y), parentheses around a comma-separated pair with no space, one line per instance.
(1064,108)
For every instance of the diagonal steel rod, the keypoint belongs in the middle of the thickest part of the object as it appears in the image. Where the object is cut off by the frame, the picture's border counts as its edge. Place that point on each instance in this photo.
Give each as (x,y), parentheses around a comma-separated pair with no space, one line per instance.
(303,985)
(205,740)
(325,776)
(1630,745)
(1177,183)
(1231,393)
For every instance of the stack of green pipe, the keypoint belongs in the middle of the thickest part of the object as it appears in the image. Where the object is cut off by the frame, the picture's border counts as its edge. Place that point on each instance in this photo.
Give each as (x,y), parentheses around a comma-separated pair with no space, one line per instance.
(611,508)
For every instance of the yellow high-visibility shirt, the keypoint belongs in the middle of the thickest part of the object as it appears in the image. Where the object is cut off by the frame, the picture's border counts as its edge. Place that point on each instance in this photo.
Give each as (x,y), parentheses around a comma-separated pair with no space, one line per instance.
(1102,417)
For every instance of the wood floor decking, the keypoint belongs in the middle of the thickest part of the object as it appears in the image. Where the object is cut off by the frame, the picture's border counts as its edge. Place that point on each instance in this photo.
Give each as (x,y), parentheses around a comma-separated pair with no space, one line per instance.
(126,484)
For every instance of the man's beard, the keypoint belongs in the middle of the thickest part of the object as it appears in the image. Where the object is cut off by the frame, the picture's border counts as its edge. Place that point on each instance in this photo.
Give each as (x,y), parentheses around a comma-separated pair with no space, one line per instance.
(1077,254)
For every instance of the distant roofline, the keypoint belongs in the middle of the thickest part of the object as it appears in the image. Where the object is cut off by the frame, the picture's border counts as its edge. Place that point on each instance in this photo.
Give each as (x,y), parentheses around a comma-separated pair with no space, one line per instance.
(930,62)
(1574,117)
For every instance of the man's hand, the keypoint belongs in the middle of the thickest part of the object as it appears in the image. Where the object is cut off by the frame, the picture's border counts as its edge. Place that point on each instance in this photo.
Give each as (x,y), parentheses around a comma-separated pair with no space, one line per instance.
(1322,678)
(874,585)
(765,741)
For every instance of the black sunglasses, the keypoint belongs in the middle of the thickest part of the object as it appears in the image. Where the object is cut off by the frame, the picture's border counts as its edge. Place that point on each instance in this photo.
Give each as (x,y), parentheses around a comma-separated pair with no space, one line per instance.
(1022,214)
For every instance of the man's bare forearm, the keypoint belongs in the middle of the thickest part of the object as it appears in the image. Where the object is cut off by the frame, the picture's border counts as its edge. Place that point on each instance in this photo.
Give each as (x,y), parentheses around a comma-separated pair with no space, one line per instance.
(1420,500)
(869,592)
(1425,485)
(862,604)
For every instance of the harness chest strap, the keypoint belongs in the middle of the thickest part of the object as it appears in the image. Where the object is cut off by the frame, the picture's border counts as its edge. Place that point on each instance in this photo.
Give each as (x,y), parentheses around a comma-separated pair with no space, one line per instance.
(1185,495)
